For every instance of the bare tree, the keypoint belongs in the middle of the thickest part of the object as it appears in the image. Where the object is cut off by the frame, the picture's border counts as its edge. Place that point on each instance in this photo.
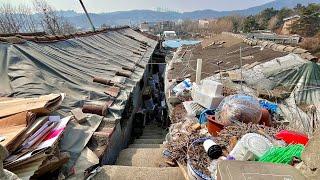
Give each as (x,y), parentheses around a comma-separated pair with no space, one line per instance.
(50,21)
(8,20)
(20,19)
(26,19)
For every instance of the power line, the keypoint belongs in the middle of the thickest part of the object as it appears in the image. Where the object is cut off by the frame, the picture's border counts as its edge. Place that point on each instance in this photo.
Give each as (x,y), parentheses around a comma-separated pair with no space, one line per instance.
(85,10)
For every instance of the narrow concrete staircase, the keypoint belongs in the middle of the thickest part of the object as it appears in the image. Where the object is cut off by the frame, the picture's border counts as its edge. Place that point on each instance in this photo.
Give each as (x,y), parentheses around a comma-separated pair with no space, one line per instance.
(142,160)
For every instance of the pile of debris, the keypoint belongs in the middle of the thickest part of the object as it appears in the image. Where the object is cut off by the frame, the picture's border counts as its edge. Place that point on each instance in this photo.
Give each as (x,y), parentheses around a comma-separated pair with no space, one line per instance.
(228,125)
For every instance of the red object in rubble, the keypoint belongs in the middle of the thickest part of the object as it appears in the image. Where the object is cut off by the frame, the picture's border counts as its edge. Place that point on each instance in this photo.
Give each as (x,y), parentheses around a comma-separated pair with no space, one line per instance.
(291,137)
(214,127)
(265,118)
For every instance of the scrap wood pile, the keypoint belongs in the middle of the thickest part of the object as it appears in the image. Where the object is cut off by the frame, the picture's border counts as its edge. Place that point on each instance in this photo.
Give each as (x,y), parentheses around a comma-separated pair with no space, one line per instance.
(235,129)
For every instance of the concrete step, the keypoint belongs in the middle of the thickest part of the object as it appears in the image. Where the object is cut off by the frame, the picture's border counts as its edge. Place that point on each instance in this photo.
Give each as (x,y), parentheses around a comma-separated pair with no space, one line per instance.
(152,136)
(148,133)
(138,173)
(146,146)
(153,130)
(148,141)
(153,126)
(141,157)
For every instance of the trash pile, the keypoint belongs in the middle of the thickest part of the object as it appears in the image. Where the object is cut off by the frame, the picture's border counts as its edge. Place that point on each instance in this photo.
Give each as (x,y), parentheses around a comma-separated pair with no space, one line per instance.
(30,136)
(222,128)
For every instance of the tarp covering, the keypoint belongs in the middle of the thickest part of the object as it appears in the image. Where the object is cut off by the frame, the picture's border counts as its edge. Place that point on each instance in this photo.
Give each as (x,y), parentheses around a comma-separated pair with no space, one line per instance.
(178,43)
(304,82)
(31,69)
(299,77)
(266,75)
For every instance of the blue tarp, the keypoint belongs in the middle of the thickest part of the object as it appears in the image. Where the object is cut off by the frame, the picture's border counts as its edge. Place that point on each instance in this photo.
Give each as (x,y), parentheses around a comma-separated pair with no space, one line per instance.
(178,43)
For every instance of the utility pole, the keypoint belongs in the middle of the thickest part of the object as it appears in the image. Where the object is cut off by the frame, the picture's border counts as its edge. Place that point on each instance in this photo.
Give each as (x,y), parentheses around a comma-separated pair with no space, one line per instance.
(241,68)
(218,63)
(198,72)
(85,10)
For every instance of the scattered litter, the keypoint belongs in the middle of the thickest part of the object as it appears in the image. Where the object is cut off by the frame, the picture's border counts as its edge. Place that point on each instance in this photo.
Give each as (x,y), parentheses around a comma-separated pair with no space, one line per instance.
(208,94)
(250,147)
(198,160)
(283,155)
(291,137)
(184,85)
(239,108)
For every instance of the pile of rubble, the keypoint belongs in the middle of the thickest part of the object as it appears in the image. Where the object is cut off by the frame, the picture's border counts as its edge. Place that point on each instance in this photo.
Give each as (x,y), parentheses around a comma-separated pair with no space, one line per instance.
(228,124)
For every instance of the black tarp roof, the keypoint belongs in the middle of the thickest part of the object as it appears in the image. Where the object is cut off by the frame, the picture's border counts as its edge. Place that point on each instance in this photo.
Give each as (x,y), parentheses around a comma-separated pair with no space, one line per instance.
(68,66)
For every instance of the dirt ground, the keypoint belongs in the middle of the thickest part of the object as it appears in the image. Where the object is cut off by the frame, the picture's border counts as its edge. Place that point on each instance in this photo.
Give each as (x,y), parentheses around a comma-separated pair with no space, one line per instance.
(229,53)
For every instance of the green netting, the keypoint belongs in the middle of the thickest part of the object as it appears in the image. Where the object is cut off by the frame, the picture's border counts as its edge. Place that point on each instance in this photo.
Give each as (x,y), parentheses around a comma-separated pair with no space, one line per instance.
(282,155)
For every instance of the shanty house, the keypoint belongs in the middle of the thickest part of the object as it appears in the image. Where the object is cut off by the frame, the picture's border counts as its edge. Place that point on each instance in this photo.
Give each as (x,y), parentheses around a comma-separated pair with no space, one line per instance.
(102,74)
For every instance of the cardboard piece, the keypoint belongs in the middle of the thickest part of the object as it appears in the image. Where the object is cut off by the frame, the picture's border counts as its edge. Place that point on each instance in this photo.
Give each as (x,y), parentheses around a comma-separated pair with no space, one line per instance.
(28,131)
(42,105)
(50,165)
(243,170)
(311,154)
(235,76)
(12,126)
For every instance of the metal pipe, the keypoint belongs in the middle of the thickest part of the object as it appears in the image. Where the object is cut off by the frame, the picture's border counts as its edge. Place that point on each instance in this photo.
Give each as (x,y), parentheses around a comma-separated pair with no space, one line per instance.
(85,10)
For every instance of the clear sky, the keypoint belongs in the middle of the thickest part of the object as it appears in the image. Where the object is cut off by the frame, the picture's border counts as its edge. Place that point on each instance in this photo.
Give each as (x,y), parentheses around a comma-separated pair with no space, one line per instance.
(98,6)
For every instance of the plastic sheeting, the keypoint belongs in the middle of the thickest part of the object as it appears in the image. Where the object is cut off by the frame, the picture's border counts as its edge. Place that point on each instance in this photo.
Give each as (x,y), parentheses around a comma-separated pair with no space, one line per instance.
(178,43)
(239,108)
(266,75)
(32,69)
(292,73)
(304,122)
(304,82)
(76,137)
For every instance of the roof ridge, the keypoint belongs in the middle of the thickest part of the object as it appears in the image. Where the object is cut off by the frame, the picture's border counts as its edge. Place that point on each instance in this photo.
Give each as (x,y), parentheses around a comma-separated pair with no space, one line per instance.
(18,38)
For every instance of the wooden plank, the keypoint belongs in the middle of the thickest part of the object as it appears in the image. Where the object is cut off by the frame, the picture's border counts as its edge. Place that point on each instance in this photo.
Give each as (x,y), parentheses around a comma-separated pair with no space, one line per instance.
(184,171)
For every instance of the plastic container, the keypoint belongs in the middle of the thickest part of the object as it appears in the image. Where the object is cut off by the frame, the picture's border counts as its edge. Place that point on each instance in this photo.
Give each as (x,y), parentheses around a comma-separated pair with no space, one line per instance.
(193,173)
(250,147)
(291,137)
(268,105)
(184,85)
(212,88)
(213,150)
(209,100)
(213,126)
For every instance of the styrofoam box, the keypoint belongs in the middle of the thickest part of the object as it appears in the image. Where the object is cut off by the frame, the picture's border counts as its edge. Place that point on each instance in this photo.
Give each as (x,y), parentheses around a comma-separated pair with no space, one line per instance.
(212,88)
(207,100)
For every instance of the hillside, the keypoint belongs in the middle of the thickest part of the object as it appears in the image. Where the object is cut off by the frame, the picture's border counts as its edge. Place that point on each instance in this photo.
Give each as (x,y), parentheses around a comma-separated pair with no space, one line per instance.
(137,16)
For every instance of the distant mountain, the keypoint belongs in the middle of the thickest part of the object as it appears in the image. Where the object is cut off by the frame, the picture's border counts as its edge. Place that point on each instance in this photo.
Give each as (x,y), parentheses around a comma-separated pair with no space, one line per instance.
(138,16)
